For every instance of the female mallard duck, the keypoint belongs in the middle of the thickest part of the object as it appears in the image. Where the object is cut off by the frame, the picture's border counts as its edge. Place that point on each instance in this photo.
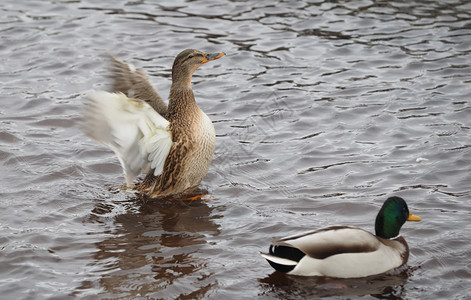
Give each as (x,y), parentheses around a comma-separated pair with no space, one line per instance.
(174,145)
(346,251)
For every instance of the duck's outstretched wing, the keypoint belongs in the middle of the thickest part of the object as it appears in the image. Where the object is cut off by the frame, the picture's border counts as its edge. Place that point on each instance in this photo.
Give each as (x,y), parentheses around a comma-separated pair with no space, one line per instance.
(135,83)
(138,135)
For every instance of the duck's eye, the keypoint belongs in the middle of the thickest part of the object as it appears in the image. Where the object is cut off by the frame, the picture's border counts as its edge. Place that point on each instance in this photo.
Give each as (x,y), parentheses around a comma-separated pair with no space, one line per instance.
(191,56)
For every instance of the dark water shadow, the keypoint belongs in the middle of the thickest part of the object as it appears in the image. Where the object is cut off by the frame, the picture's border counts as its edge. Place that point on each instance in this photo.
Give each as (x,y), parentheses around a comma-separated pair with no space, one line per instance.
(153,248)
(384,286)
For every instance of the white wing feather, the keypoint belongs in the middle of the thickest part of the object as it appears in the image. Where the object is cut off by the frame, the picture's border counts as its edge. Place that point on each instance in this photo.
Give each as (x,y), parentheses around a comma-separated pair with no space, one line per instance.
(138,135)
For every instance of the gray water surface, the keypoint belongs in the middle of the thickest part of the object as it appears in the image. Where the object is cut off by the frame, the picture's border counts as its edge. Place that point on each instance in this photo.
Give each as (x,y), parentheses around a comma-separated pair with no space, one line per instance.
(322,110)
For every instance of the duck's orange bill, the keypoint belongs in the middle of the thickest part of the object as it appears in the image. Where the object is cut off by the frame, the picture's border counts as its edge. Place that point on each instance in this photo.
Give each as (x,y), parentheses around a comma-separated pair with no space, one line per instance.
(212,56)
(413,218)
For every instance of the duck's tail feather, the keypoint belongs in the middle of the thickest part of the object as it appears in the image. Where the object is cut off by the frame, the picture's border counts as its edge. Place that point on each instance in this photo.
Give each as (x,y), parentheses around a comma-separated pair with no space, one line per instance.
(279,263)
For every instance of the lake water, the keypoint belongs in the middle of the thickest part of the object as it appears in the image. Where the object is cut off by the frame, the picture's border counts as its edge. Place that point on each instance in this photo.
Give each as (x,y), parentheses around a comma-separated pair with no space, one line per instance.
(322,110)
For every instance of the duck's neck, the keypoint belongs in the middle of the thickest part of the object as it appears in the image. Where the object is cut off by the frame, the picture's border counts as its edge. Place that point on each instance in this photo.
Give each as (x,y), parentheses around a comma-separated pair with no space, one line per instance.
(181,77)
(181,103)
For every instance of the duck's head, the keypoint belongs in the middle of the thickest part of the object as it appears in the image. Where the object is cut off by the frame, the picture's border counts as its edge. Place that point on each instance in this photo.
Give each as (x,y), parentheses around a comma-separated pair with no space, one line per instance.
(392,215)
(186,63)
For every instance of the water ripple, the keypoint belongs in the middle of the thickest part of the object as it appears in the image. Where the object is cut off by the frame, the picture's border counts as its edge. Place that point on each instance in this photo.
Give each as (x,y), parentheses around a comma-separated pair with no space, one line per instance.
(321,109)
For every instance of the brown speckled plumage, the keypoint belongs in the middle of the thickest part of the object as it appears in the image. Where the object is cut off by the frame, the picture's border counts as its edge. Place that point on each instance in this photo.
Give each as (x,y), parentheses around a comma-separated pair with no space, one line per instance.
(193,136)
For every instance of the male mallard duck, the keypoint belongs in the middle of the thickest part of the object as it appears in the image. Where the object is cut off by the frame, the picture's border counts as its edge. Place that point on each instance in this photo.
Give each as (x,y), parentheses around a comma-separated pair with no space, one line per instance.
(346,251)
(174,145)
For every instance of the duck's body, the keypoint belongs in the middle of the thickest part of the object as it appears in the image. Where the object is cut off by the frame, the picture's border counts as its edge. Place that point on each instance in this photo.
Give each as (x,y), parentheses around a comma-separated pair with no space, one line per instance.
(346,251)
(173,145)
(337,251)
(192,152)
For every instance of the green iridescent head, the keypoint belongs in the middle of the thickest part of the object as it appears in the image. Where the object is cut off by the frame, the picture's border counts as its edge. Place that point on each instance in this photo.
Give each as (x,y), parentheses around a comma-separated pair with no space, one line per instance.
(392,215)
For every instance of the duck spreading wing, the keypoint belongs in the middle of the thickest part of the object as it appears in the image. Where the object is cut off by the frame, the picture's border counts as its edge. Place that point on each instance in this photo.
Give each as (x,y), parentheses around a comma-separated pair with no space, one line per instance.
(134,83)
(138,135)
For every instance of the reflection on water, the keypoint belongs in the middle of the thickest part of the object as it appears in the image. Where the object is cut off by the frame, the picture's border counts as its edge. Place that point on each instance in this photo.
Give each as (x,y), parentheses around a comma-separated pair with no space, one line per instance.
(280,286)
(155,246)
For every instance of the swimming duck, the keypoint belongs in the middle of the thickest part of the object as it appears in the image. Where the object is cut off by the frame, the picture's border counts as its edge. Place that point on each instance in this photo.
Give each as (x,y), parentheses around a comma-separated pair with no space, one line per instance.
(173,145)
(346,251)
